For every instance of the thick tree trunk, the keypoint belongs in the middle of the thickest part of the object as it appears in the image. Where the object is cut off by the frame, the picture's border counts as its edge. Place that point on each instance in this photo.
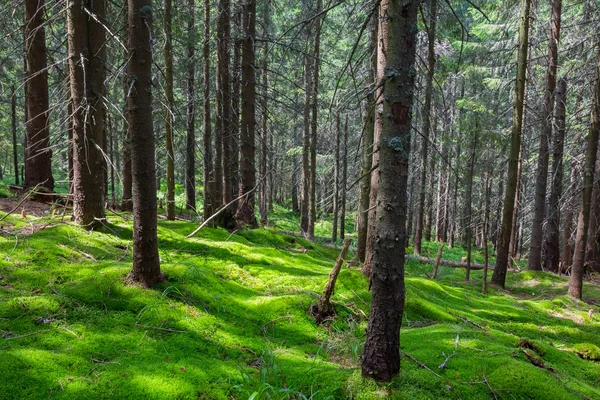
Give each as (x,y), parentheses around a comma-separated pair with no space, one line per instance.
(224,101)
(87,53)
(499,276)
(343,183)
(381,359)
(190,159)
(382,49)
(266,185)
(236,82)
(245,212)
(427,110)
(38,160)
(146,263)
(169,112)
(577,270)
(535,247)
(209,196)
(551,245)
(591,250)
(367,150)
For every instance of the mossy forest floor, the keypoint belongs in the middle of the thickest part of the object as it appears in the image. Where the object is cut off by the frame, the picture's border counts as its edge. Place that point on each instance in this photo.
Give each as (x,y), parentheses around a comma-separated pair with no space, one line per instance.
(231,322)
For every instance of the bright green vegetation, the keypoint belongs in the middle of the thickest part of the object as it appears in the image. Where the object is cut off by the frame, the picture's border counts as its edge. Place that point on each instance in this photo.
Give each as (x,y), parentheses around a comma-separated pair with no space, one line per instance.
(232,322)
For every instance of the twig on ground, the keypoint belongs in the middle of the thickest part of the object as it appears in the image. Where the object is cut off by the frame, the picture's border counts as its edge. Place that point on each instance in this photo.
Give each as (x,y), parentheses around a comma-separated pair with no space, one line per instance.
(490,387)
(422,365)
(466,320)
(159,328)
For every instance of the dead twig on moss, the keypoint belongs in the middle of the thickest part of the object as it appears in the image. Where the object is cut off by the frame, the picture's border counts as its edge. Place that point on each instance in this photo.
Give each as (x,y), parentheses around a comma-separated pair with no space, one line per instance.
(420,364)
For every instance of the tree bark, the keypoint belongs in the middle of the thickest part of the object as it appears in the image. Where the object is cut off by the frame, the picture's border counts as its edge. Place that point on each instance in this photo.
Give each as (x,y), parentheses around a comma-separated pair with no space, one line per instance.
(38,160)
(551,246)
(245,212)
(208,173)
(190,159)
(431,24)
(382,49)
(304,198)
(343,183)
(312,215)
(266,183)
(146,263)
(381,360)
(577,269)
(431,172)
(13,126)
(469,201)
(336,176)
(367,150)
(169,112)
(87,53)
(224,99)
(535,247)
(499,276)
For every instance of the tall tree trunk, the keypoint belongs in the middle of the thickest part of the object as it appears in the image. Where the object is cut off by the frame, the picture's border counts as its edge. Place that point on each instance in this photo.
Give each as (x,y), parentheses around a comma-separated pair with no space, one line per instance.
(535,248)
(469,201)
(591,250)
(367,150)
(441,209)
(312,215)
(382,50)
(169,112)
(245,213)
(222,35)
(209,195)
(343,183)
(265,184)
(431,173)
(577,270)
(568,227)
(236,81)
(336,176)
(13,126)
(38,160)
(127,199)
(304,198)
(224,99)
(499,276)
(146,263)
(431,25)
(381,360)
(87,53)
(190,159)
(551,246)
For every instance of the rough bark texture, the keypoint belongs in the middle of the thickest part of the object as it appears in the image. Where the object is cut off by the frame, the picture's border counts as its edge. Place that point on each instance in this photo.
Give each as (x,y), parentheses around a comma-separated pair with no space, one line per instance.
(146,263)
(367,150)
(382,49)
(266,181)
(209,195)
(324,308)
(343,183)
(245,212)
(551,246)
(469,202)
(224,100)
(304,197)
(169,112)
(190,153)
(38,160)
(13,128)
(591,250)
(499,276)
(312,195)
(336,177)
(577,270)
(87,54)
(568,225)
(429,207)
(535,247)
(427,111)
(381,359)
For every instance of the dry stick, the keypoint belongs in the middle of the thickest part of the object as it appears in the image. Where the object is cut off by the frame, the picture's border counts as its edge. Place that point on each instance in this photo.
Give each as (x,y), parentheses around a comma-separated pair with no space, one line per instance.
(159,328)
(422,365)
(438,259)
(466,320)
(490,387)
(22,201)
(325,305)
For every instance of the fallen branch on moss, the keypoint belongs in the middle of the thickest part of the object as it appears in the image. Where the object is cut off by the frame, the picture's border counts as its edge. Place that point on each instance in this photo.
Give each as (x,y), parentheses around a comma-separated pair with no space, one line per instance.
(448,263)
(422,365)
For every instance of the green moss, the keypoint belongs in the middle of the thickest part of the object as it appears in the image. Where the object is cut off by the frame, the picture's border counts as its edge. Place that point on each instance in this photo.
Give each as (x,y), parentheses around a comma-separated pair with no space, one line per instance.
(587,351)
(232,321)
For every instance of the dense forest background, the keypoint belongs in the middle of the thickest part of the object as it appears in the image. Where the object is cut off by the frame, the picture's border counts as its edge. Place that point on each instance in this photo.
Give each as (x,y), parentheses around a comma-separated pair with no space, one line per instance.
(473,124)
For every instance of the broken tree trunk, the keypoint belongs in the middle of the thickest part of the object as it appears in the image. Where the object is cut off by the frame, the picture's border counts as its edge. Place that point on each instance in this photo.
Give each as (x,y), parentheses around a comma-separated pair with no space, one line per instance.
(324,308)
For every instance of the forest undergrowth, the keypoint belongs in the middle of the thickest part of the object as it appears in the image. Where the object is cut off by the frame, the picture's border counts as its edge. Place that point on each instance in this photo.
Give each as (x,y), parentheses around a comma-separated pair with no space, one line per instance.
(232,321)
